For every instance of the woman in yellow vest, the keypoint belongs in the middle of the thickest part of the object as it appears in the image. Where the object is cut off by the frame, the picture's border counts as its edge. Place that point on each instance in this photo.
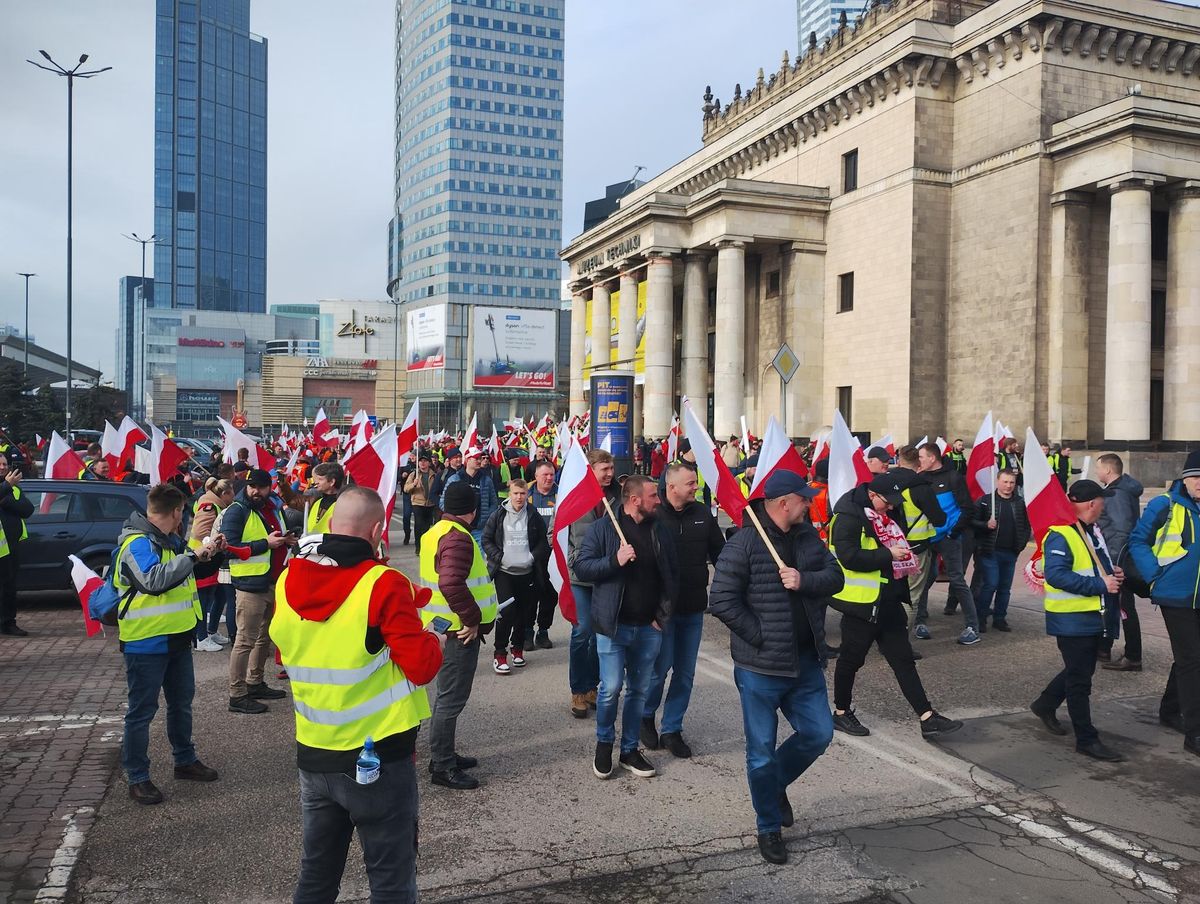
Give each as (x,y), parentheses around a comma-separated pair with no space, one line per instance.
(159,609)
(1078,615)
(13,511)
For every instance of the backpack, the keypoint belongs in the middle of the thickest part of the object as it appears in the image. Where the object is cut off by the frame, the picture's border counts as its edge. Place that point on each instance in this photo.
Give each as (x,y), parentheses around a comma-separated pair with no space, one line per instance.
(107,604)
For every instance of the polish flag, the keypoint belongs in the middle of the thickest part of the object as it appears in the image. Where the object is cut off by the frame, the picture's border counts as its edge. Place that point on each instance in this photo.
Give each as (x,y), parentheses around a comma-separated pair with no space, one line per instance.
(62,463)
(886,443)
(712,467)
(129,434)
(670,443)
(981,463)
(409,433)
(494,453)
(578,493)
(39,441)
(1045,500)
(470,439)
(165,457)
(110,445)
(942,444)
(376,465)
(777,453)
(922,441)
(562,441)
(847,464)
(235,439)
(321,429)
(86,583)
(821,448)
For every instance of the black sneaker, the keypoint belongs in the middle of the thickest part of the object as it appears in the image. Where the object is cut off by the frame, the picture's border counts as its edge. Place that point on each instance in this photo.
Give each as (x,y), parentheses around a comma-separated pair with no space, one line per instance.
(542,641)
(12,630)
(1049,719)
(848,722)
(455,780)
(602,765)
(1002,624)
(648,734)
(937,725)
(637,764)
(1098,751)
(246,704)
(529,640)
(196,772)
(264,692)
(673,743)
(145,793)
(772,848)
(787,818)
(460,762)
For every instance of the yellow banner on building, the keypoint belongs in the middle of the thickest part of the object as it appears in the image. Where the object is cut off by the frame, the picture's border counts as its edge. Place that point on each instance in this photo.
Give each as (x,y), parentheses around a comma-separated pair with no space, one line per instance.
(639,358)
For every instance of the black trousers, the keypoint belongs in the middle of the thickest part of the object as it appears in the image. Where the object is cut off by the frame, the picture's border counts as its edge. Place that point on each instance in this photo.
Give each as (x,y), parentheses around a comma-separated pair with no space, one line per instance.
(1074,685)
(1182,694)
(9,566)
(1130,627)
(510,626)
(541,616)
(892,639)
(422,520)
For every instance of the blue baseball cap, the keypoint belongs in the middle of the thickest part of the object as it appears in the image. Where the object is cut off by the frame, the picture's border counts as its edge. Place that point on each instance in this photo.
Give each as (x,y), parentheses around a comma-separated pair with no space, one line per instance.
(783,483)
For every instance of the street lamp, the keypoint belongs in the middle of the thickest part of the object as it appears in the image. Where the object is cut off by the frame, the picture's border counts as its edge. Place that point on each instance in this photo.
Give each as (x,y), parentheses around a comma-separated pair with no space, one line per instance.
(25,371)
(70,75)
(141,407)
(395,302)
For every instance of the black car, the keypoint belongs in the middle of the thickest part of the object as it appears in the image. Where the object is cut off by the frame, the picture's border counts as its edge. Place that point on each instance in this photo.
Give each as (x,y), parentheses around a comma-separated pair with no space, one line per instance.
(73,517)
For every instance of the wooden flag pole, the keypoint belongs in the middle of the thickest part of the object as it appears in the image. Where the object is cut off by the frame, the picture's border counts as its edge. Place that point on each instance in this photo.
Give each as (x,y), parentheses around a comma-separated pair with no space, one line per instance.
(762,533)
(616,524)
(1087,541)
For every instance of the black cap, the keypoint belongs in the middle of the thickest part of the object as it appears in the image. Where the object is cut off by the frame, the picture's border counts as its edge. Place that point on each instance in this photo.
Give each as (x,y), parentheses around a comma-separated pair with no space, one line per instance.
(257,477)
(459,499)
(424,456)
(880,453)
(1087,490)
(888,487)
(783,483)
(1191,467)
(453,452)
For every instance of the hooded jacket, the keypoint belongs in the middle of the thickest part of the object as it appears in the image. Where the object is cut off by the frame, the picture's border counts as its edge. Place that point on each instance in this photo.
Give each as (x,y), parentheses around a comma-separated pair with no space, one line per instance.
(953,497)
(316,584)
(233,526)
(845,537)
(12,512)
(748,597)
(493,539)
(698,541)
(1179,583)
(142,568)
(1121,513)
(923,497)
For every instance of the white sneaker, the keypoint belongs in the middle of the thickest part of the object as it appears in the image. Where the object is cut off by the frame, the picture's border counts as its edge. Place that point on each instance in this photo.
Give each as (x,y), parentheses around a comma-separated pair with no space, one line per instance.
(208,645)
(219,638)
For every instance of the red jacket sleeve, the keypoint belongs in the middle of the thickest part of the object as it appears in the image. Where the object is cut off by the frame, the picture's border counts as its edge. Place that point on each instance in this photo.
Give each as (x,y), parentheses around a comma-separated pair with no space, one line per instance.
(394,603)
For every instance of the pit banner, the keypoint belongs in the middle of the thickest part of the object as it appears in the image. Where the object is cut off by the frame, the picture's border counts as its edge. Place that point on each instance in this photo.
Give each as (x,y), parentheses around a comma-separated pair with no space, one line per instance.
(426,346)
(612,415)
(514,349)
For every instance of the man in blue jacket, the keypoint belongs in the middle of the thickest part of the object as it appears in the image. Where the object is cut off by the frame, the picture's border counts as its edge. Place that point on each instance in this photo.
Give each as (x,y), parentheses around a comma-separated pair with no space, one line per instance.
(1081,609)
(479,479)
(1165,550)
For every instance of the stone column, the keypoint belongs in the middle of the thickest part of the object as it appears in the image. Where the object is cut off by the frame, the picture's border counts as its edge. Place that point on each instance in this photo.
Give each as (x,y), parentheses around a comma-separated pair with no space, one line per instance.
(729,368)
(601,325)
(1127,331)
(695,332)
(1181,357)
(1067,365)
(806,335)
(627,319)
(660,346)
(577,403)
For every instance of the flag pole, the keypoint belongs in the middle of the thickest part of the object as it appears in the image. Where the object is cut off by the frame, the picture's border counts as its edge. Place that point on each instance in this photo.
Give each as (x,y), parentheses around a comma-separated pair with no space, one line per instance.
(762,533)
(612,514)
(1087,541)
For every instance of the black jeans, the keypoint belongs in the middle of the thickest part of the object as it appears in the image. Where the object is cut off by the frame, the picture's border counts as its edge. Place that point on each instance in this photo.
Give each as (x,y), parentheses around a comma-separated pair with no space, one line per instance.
(857,636)
(1183,685)
(422,521)
(510,626)
(8,586)
(1130,626)
(384,812)
(1074,685)
(541,616)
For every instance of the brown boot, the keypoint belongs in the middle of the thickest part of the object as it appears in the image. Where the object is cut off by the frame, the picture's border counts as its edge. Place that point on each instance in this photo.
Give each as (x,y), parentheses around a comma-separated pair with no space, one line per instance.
(1122,665)
(579,707)
(591,698)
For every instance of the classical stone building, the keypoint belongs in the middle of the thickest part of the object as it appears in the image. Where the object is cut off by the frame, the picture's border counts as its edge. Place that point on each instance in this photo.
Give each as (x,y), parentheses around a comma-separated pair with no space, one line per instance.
(948,207)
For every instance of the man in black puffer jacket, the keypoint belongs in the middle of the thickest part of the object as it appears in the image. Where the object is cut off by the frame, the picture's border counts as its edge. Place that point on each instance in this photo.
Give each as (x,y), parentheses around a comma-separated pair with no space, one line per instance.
(776,621)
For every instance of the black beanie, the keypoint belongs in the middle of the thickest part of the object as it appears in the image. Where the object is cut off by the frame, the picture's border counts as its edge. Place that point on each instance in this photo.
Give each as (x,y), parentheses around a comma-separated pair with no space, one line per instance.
(459,499)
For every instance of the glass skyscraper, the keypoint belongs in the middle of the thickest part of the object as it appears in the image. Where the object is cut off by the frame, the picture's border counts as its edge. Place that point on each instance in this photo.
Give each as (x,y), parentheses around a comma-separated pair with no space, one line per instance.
(210,157)
(478,170)
(821,16)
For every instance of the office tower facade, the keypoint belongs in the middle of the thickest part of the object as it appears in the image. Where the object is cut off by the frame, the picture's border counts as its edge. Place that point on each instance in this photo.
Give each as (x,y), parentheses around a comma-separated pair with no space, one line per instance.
(822,16)
(210,157)
(133,296)
(478,188)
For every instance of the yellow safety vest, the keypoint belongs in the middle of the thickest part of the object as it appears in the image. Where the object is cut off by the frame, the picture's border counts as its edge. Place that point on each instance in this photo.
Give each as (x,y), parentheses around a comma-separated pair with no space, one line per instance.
(255,529)
(1058,600)
(157,614)
(919,528)
(1168,542)
(318,521)
(342,693)
(478,581)
(862,587)
(24,526)
(3,543)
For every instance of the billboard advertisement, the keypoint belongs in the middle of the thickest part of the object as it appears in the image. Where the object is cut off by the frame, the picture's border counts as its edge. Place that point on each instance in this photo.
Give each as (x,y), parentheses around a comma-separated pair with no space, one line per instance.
(426,346)
(639,355)
(514,349)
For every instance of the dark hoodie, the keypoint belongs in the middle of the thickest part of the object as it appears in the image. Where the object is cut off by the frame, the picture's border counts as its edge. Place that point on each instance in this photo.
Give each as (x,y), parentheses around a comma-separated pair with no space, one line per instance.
(845,538)
(316,583)
(923,497)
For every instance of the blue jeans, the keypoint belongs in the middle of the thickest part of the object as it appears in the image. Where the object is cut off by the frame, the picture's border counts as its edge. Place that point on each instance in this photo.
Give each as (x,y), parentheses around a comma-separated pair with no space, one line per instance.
(804,702)
(995,579)
(630,652)
(680,644)
(583,666)
(145,675)
(384,813)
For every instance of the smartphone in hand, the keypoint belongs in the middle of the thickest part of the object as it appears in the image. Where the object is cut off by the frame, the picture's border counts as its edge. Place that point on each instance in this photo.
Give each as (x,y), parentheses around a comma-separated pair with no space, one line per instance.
(440,625)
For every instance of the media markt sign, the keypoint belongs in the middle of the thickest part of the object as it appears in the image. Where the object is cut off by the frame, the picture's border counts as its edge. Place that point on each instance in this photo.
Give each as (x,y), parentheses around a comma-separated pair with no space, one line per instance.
(785,363)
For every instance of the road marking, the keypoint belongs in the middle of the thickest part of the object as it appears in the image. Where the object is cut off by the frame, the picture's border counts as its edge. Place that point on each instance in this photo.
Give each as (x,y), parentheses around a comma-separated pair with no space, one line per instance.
(54,887)
(89,718)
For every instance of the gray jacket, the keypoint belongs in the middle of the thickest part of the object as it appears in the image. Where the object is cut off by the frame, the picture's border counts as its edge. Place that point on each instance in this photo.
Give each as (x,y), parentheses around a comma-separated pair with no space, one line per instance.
(162,576)
(1121,513)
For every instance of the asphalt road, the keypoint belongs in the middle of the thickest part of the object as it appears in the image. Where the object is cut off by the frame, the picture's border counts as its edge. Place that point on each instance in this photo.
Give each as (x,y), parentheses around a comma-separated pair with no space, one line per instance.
(1001,809)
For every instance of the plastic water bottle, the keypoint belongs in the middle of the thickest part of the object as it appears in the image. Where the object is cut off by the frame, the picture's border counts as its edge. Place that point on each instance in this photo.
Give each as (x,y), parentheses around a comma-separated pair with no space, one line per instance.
(367,768)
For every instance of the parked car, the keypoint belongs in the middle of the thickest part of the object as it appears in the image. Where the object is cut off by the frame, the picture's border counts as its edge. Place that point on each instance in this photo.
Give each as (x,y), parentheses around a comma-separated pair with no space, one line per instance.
(73,517)
(198,448)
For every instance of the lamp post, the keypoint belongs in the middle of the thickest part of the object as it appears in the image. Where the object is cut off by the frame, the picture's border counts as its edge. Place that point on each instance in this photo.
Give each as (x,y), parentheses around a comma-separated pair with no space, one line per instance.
(140,408)
(70,75)
(395,302)
(25,370)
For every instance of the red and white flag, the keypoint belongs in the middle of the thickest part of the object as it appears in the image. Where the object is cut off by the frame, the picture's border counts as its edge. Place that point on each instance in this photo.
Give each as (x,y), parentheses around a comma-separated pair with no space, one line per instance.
(670,443)
(981,463)
(86,581)
(126,436)
(578,493)
(321,430)
(494,453)
(409,433)
(165,457)
(776,454)
(376,465)
(712,467)
(1045,500)
(40,441)
(470,438)
(942,444)
(62,463)
(847,464)
(235,439)
(820,447)
(886,443)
